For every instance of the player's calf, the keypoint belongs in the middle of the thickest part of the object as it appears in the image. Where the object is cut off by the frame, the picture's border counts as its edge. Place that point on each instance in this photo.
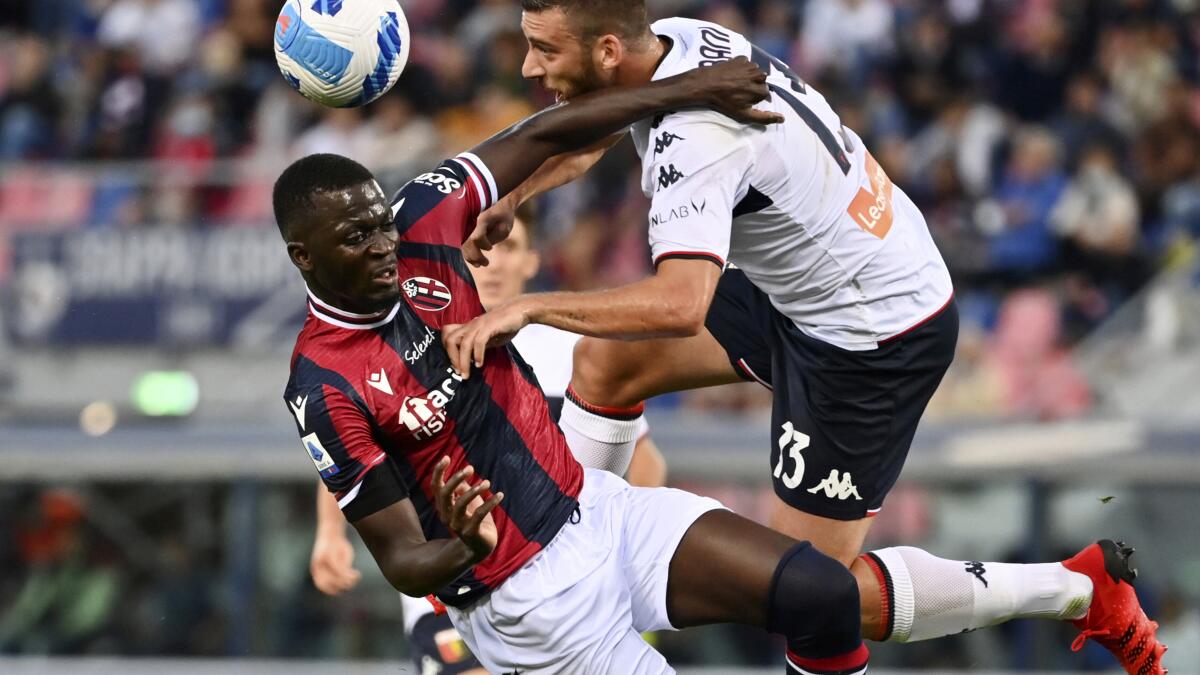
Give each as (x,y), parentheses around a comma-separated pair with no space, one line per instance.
(929,597)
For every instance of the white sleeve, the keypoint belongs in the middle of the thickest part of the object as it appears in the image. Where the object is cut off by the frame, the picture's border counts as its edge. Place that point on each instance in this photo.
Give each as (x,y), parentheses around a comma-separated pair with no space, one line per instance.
(696,170)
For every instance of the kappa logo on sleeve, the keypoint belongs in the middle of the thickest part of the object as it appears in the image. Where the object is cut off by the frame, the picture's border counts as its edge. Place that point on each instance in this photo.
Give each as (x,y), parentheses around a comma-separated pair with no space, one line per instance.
(668,176)
(665,140)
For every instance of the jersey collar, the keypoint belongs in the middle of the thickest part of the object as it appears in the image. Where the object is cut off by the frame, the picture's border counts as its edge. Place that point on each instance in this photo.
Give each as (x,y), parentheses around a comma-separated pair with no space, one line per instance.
(343,319)
(668,63)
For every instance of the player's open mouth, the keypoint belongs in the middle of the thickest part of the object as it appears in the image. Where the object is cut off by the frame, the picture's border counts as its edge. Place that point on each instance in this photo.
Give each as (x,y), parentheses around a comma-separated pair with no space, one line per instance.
(385,276)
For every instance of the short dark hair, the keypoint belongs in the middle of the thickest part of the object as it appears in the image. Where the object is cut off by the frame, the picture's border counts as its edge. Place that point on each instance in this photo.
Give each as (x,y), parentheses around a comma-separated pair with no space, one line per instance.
(295,187)
(527,214)
(624,18)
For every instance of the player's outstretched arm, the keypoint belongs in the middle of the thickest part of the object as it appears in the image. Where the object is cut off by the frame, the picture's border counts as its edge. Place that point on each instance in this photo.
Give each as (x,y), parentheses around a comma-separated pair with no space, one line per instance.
(495,224)
(672,303)
(332,561)
(730,88)
(417,567)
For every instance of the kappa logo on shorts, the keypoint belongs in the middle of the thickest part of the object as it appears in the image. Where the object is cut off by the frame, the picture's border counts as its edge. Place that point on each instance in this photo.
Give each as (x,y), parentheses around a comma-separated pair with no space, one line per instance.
(427,294)
(791,442)
(837,488)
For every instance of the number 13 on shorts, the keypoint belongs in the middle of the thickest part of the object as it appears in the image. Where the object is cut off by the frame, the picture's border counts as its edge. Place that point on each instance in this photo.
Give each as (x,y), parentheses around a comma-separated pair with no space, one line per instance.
(791,443)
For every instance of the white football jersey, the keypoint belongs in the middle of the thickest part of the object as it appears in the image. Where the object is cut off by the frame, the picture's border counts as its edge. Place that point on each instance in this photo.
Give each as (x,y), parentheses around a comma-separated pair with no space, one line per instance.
(801,207)
(549,352)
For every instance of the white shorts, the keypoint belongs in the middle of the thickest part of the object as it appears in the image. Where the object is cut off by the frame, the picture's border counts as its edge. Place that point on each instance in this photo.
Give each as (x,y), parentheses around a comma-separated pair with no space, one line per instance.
(579,606)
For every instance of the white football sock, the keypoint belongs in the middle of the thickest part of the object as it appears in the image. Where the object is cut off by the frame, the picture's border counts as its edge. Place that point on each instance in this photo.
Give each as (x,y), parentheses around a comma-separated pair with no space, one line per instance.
(599,441)
(932,597)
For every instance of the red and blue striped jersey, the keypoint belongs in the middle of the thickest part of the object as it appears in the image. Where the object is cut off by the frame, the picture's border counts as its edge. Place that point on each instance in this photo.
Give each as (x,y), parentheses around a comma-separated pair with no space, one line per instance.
(377,403)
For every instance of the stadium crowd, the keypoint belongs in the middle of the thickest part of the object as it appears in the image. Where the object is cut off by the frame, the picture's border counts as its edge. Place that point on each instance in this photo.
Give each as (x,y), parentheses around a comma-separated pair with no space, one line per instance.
(1054,146)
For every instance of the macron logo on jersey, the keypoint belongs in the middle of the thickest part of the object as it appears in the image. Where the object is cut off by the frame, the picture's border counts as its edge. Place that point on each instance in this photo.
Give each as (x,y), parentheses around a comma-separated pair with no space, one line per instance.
(425,415)
(298,409)
(380,381)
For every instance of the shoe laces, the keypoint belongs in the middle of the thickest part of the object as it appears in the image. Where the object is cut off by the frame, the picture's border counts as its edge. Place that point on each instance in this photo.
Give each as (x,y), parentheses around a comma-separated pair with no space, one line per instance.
(1082,638)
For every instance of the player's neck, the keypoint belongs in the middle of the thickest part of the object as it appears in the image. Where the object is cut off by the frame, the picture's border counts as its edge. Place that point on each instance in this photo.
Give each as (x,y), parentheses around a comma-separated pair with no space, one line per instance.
(327,302)
(638,68)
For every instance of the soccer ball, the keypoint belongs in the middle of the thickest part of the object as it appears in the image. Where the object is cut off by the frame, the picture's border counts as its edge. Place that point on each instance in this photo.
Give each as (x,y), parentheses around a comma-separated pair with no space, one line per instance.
(341,53)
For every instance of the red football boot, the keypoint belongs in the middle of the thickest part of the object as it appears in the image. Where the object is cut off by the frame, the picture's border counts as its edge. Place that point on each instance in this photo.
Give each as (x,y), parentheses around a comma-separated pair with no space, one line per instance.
(1115,618)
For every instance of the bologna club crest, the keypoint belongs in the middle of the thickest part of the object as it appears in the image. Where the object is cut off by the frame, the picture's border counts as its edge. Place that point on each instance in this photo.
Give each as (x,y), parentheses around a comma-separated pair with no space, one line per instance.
(428,294)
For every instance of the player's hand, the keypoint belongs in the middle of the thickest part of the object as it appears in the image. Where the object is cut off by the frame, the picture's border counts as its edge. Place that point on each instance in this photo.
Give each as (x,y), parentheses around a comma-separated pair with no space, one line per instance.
(463,510)
(492,227)
(332,563)
(731,88)
(467,343)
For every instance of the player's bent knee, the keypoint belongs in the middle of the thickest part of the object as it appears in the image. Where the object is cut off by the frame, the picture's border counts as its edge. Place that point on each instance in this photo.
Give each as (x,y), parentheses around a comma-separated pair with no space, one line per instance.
(815,603)
(601,376)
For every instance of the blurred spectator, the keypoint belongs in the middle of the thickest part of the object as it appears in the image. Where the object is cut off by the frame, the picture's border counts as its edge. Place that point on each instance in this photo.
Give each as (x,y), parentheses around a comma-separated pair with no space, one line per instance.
(163,32)
(1084,120)
(1181,625)
(334,133)
(1034,62)
(1098,217)
(846,35)
(490,111)
(773,28)
(967,133)
(1020,241)
(485,21)
(942,92)
(1168,150)
(28,104)
(69,596)
(1140,70)
(396,143)
(1039,381)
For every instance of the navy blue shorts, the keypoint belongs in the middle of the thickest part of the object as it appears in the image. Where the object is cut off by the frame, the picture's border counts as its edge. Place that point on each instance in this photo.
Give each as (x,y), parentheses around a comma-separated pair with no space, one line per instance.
(438,648)
(842,421)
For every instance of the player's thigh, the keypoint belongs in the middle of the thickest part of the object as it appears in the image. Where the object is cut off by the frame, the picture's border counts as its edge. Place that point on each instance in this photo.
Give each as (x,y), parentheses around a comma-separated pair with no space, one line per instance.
(842,425)
(568,610)
(722,571)
(725,568)
(838,539)
(627,372)
(653,522)
(733,346)
(438,647)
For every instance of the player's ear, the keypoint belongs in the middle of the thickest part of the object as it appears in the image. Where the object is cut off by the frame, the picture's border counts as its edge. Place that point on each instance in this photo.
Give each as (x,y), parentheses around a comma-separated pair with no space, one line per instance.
(298,252)
(608,52)
(531,265)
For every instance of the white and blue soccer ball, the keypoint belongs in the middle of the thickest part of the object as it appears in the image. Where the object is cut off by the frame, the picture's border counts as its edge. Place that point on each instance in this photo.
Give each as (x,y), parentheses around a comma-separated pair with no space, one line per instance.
(341,53)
